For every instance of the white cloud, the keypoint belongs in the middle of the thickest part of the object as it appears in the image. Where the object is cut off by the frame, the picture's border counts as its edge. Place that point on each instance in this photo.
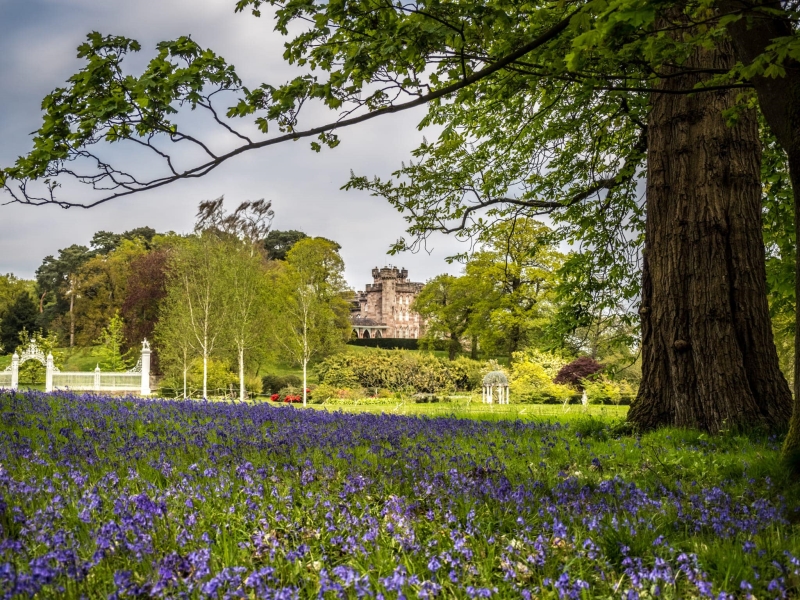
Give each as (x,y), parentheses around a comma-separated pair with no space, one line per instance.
(37,42)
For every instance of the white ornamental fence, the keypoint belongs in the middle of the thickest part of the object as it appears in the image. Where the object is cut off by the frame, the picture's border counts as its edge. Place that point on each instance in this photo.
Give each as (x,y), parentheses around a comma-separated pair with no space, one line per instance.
(135,380)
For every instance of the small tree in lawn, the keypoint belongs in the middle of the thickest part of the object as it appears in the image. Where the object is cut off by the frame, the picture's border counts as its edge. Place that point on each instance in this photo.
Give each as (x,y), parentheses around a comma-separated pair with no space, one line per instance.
(111,342)
(310,314)
(577,371)
(173,334)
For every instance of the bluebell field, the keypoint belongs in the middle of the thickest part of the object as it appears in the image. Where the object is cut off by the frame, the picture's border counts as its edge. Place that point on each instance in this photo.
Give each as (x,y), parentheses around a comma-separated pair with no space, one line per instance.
(126,498)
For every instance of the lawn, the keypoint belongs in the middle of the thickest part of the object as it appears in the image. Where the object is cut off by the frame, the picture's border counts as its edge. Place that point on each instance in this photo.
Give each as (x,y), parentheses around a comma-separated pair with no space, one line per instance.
(130,498)
(474,409)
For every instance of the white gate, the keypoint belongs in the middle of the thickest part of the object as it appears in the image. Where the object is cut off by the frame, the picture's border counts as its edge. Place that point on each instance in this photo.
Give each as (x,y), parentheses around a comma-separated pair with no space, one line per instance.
(135,380)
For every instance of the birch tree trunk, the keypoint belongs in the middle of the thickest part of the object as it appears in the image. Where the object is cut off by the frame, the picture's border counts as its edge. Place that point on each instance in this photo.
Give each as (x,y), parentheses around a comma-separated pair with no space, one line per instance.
(241,374)
(72,314)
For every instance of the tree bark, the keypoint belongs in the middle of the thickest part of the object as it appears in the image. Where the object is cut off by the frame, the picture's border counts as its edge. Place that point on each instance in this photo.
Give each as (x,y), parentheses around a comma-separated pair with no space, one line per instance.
(72,315)
(453,346)
(709,360)
(779,99)
(241,374)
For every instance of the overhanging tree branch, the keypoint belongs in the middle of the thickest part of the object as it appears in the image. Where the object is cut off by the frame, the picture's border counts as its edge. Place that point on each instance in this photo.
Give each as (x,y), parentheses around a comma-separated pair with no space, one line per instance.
(21,195)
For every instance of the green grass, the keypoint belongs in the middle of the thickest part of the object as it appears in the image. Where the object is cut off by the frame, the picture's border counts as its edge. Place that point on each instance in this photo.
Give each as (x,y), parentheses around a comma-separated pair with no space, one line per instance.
(477,410)
(79,359)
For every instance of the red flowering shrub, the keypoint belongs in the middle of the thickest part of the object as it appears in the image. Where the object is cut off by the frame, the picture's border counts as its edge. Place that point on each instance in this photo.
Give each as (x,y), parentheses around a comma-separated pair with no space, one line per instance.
(578,370)
(275,397)
(292,399)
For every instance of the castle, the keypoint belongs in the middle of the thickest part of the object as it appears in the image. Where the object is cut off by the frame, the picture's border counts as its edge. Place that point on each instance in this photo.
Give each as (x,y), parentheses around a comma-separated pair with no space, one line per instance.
(383,310)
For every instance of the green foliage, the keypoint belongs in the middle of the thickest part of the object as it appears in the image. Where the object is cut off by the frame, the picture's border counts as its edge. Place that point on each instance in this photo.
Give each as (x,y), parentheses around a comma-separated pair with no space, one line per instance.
(110,344)
(532,377)
(447,303)
(278,243)
(220,378)
(272,384)
(386,343)
(781,247)
(602,390)
(32,371)
(20,315)
(467,374)
(325,392)
(398,370)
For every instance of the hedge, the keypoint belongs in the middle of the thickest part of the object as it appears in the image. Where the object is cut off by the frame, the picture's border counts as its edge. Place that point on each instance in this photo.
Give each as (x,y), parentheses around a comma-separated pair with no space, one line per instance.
(387,343)
(399,371)
(399,343)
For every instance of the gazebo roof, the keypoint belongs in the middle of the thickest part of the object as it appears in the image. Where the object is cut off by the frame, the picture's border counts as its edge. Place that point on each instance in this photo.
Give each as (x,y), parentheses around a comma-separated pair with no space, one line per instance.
(495,378)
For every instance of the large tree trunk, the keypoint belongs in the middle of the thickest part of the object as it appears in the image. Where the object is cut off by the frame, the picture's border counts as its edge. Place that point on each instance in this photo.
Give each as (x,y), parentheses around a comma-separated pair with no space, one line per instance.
(779,99)
(709,360)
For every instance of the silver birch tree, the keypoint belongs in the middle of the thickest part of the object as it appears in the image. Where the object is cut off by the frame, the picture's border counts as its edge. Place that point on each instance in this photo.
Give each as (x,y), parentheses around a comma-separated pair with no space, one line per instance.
(197,277)
(242,233)
(310,314)
(176,345)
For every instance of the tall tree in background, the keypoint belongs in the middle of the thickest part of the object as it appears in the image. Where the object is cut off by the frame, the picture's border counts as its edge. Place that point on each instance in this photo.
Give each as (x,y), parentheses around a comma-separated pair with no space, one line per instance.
(58,280)
(514,275)
(278,243)
(176,344)
(102,288)
(111,344)
(18,317)
(447,304)
(11,287)
(146,289)
(310,314)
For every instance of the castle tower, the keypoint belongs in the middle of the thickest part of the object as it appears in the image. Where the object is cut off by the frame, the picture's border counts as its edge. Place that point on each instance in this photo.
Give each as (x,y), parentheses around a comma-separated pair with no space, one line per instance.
(384,308)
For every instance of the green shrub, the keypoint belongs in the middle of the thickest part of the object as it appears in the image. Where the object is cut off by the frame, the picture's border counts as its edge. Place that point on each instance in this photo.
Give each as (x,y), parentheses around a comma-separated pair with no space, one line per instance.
(220,378)
(604,391)
(467,374)
(324,392)
(272,384)
(429,398)
(532,378)
(355,401)
(395,370)
(252,385)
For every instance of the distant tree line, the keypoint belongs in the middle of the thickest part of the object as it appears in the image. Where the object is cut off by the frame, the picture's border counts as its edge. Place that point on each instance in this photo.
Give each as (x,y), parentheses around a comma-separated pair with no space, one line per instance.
(207,298)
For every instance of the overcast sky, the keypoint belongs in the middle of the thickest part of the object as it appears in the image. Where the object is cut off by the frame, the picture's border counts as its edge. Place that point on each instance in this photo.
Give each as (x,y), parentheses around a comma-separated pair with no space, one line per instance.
(38,39)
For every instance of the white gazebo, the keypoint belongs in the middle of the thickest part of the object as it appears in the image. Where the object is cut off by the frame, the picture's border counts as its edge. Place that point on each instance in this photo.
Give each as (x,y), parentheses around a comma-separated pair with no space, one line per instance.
(495,382)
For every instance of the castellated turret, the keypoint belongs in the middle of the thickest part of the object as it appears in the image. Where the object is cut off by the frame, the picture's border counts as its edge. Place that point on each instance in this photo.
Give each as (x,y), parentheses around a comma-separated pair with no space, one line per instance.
(383,309)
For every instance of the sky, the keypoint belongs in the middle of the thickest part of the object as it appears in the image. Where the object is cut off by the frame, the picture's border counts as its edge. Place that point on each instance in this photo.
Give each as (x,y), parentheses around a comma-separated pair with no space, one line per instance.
(38,41)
